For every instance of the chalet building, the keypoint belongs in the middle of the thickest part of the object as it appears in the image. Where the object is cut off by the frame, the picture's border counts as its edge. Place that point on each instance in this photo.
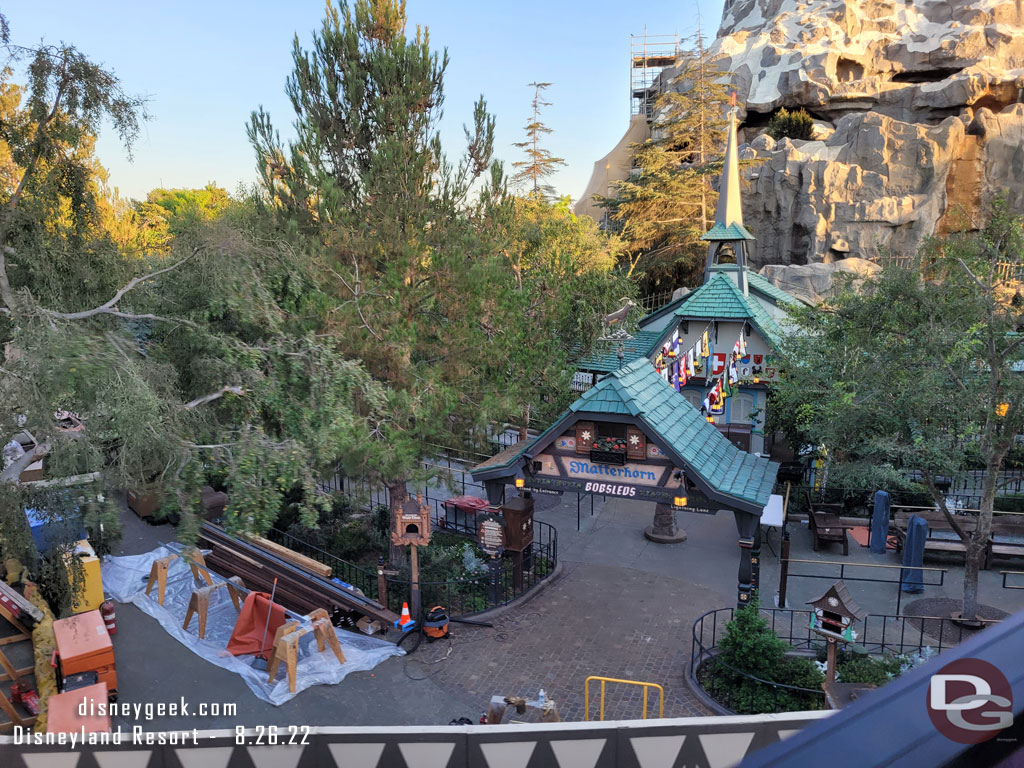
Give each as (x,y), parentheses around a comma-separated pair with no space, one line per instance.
(715,344)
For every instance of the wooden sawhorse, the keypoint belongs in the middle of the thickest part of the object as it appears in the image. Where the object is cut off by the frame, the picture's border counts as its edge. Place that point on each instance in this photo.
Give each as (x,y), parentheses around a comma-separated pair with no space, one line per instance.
(286,644)
(199,603)
(158,573)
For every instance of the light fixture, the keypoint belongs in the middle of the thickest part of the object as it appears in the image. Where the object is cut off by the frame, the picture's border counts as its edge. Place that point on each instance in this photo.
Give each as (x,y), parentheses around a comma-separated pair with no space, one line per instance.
(520,482)
(679,501)
(757,379)
(1002,409)
(711,419)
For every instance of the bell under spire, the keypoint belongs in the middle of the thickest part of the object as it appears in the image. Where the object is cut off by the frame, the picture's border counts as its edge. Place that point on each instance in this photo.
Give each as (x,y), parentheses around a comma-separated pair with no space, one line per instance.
(728,229)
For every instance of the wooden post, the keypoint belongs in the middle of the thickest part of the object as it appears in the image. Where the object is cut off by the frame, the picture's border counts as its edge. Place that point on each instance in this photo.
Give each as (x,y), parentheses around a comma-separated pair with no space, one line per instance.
(382,583)
(414,558)
(830,670)
(517,572)
(784,569)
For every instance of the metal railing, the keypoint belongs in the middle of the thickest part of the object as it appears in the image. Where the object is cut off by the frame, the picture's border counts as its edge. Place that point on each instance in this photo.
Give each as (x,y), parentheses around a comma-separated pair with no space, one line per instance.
(1004,574)
(646,687)
(844,565)
(513,578)
(879,634)
(702,653)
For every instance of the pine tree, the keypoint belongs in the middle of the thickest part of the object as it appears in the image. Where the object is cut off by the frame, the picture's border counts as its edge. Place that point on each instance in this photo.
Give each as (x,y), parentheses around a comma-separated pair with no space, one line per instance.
(664,207)
(540,163)
(423,293)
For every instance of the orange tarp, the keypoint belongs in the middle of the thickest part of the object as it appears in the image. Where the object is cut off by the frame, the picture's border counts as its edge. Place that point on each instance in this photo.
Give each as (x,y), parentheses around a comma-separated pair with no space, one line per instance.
(248,632)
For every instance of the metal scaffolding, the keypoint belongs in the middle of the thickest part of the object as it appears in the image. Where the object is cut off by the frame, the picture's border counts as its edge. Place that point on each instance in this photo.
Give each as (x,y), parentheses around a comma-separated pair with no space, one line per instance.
(649,55)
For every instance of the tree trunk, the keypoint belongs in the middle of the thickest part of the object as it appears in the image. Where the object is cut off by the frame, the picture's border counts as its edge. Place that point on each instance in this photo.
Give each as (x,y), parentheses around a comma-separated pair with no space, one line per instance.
(975,550)
(524,430)
(664,529)
(398,494)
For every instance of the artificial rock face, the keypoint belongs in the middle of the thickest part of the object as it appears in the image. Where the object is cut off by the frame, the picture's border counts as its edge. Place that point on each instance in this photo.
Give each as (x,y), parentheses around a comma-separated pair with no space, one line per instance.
(918,120)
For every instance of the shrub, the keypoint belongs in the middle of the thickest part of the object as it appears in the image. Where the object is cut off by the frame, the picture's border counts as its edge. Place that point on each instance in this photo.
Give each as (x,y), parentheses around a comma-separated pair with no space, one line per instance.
(749,646)
(793,125)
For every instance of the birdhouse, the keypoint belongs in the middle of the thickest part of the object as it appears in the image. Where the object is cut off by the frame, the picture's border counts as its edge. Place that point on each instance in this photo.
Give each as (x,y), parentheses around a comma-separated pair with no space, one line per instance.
(412,523)
(834,613)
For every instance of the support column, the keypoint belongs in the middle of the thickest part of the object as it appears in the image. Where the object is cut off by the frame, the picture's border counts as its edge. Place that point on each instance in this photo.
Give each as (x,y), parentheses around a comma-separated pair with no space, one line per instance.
(755,560)
(748,528)
(664,530)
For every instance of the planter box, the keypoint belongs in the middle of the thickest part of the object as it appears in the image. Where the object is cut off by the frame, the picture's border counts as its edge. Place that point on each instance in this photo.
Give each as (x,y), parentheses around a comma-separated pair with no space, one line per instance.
(144,504)
(607,457)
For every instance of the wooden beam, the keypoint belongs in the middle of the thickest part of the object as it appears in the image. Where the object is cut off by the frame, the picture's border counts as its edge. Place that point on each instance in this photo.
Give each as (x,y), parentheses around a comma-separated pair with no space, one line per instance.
(292,556)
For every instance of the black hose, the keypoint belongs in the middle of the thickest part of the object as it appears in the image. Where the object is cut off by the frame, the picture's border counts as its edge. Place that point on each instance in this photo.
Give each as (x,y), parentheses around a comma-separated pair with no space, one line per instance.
(418,632)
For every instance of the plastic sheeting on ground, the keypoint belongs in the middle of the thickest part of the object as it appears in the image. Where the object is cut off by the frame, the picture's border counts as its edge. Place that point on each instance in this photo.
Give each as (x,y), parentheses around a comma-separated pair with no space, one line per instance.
(124,579)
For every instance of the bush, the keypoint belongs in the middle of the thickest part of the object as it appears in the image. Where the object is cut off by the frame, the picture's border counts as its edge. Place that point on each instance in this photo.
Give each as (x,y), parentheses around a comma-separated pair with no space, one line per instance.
(749,646)
(793,125)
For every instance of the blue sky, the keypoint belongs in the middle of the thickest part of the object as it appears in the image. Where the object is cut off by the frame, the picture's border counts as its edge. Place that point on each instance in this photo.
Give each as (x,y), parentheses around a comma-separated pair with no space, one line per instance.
(207,65)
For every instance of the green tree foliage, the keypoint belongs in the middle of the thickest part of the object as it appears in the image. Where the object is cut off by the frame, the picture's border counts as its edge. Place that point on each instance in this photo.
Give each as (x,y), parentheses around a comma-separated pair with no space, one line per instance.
(539,163)
(918,370)
(794,125)
(664,207)
(199,359)
(750,649)
(564,270)
(418,272)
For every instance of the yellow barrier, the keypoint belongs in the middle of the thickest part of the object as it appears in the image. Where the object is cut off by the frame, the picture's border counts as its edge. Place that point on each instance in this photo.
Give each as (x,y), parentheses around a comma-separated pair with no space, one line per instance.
(646,686)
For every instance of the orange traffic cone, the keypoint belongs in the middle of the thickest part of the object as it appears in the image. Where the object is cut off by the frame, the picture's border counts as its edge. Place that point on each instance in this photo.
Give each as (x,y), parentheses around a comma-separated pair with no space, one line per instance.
(405,621)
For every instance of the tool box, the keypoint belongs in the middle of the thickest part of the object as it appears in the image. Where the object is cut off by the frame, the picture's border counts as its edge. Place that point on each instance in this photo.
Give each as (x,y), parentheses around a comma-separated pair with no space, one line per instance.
(83,645)
(63,711)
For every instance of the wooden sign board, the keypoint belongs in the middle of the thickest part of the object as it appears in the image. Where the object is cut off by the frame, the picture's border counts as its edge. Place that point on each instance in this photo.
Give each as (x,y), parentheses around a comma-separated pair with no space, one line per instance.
(491,535)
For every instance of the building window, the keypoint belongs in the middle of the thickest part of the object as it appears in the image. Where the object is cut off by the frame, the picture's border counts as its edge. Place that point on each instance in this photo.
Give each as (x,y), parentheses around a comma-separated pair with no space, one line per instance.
(740,408)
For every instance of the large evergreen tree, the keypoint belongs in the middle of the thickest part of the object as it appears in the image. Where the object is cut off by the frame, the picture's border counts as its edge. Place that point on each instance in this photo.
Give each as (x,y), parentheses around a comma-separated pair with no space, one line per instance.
(539,163)
(663,209)
(420,272)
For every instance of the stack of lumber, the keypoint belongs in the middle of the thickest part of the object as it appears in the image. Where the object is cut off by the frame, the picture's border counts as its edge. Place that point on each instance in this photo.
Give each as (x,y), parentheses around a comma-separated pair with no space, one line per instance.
(298,589)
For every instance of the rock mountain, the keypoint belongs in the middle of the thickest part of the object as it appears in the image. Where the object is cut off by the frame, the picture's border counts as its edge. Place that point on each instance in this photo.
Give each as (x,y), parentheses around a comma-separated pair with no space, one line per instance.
(919,124)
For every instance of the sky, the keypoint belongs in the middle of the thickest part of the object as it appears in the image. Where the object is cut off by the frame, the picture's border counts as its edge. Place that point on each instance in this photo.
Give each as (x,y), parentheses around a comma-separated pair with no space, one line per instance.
(206,65)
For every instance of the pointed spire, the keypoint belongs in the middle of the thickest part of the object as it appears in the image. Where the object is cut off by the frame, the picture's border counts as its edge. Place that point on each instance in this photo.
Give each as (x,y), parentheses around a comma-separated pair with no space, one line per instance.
(729,211)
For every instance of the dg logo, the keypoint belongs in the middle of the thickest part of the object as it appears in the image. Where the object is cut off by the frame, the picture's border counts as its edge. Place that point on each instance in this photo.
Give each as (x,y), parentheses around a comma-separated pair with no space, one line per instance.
(970,701)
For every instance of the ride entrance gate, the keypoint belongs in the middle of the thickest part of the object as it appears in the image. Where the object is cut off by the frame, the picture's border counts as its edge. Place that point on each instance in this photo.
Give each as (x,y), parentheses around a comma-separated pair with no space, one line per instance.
(633,436)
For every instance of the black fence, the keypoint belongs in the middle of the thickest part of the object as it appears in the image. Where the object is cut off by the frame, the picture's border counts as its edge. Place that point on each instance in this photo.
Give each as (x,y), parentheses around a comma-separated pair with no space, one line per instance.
(876,634)
(512,576)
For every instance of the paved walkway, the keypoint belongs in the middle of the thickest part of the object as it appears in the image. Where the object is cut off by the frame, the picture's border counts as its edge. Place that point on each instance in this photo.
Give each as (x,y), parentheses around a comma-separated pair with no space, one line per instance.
(623,607)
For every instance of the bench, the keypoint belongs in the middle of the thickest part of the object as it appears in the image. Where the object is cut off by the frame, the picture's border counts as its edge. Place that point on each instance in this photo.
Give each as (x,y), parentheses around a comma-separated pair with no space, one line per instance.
(941,536)
(1007,538)
(826,526)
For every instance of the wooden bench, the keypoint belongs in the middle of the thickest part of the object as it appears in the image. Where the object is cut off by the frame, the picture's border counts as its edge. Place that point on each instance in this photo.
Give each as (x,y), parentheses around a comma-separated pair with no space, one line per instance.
(937,523)
(826,526)
(1007,538)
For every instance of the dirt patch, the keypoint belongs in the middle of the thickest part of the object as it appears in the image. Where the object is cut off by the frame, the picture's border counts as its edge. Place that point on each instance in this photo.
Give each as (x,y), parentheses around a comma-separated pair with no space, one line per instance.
(943,630)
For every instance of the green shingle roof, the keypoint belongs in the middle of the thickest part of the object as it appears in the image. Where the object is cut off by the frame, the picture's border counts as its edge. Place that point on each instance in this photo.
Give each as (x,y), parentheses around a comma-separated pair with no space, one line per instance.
(721,299)
(605,356)
(638,390)
(722,233)
(760,284)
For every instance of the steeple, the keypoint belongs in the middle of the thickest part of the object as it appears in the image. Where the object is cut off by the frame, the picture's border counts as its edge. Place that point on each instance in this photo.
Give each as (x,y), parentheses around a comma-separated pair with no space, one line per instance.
(728,230)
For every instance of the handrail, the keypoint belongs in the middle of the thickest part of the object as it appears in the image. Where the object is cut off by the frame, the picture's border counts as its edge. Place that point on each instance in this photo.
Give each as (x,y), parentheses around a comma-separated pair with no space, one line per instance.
(646,686)
(867,565)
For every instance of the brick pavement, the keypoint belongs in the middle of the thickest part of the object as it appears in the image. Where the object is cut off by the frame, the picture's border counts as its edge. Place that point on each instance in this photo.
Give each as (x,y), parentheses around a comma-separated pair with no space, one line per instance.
(595,620)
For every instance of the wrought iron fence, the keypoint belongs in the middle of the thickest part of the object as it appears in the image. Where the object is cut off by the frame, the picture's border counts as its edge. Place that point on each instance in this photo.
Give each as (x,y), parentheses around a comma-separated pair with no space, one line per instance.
(514,575)
(653,302)
(878,634)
